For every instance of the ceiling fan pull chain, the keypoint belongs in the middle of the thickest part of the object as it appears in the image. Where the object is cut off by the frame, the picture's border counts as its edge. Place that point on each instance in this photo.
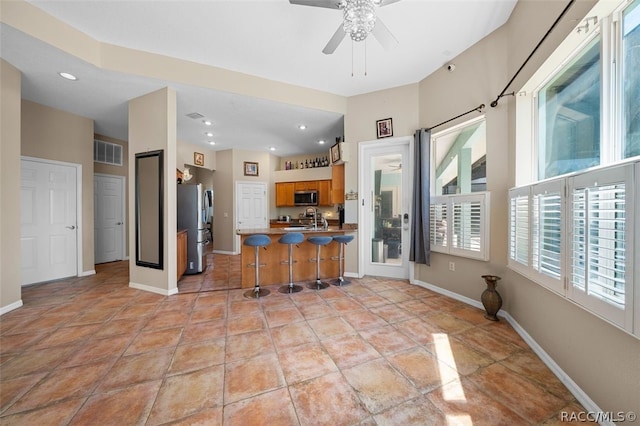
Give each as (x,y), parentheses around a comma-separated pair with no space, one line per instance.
(365,57)
(351,58)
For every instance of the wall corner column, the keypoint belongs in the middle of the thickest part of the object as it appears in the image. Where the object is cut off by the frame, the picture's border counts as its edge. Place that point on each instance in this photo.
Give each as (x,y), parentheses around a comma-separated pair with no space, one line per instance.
(10,136)
(153,126)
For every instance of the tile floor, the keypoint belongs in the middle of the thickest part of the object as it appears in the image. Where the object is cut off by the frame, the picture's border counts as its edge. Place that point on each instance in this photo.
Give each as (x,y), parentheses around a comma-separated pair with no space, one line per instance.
(92,351)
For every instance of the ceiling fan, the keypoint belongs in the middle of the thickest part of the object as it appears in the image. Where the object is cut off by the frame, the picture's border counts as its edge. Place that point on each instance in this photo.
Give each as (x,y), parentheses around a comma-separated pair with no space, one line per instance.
(359,20)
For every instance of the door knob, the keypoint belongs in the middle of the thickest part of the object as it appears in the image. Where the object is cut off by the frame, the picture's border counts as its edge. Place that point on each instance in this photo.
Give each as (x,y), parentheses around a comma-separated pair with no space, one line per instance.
(71,227)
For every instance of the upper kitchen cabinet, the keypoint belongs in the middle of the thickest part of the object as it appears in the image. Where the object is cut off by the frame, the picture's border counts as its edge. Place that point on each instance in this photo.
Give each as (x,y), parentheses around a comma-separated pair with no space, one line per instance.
(337,184)
(324,193)
(284,194)
(306,185)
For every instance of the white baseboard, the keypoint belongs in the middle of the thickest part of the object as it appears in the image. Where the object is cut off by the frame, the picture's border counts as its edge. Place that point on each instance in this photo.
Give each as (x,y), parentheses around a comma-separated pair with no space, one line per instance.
(351,275)
(155,290)
(11,307)
(87,273)
(576,391)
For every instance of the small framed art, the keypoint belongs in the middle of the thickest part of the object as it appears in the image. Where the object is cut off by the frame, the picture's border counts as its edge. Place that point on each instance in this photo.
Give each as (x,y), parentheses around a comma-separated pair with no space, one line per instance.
(250,169)
(384,128)
(198,159)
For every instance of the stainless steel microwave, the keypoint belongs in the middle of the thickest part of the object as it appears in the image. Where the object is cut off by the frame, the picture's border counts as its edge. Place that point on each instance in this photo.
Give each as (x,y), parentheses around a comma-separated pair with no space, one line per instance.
(305,198)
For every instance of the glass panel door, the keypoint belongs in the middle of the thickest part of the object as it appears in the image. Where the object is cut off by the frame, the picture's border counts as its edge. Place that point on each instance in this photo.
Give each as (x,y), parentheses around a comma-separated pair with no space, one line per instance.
(386,227)
(386,207)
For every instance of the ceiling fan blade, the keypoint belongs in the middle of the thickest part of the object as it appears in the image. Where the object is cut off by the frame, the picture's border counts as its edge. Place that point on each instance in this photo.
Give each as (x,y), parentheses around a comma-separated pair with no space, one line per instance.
(386,2)
(383,35)
(335,41)
(331,4)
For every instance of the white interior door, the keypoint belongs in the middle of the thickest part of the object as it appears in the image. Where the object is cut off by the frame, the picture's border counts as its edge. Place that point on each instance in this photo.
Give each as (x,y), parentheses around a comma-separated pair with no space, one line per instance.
(251,207)
(108,213)
(49,227)
(385,207)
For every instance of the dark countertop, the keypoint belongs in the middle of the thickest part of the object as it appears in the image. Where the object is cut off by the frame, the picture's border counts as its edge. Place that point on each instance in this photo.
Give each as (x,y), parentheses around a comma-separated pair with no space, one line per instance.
(279,231)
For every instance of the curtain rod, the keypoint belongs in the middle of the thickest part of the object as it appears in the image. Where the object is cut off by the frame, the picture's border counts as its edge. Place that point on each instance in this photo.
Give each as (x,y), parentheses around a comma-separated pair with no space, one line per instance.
(566,9)
(478,108)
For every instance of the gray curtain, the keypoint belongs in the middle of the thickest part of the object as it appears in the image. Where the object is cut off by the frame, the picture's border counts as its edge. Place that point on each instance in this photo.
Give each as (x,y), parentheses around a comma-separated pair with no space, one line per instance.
(420,249)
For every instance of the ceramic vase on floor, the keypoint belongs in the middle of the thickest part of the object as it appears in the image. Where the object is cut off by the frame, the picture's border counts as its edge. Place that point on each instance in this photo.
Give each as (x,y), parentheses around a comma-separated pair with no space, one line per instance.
(491,299)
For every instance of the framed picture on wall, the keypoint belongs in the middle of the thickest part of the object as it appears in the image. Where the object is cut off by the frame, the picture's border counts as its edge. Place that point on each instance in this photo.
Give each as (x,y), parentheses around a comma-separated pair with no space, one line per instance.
(384,128)
(250,169)
(198,159)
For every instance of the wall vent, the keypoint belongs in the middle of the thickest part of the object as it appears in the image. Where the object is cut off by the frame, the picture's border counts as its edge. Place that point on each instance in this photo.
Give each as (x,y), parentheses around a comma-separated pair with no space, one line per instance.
(107,153)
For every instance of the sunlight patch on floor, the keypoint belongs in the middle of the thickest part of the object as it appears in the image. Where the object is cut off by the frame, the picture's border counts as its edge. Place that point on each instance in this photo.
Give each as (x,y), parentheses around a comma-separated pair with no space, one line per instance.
(454,391)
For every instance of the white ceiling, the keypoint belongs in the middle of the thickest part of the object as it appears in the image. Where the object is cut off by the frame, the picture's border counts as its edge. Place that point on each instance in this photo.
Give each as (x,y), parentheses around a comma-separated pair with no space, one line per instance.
(266,38)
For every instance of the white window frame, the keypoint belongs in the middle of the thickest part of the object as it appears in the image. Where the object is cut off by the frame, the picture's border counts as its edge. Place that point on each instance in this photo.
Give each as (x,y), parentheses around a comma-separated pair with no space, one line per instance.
(449,246)
(604,19)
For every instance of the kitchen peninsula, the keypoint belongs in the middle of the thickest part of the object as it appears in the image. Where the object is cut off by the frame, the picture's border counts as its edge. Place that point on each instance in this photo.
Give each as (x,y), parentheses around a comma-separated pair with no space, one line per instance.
(275,271)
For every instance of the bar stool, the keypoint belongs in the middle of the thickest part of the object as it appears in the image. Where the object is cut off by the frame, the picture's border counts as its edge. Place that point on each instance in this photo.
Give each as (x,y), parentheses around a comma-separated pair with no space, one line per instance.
(318,241)
(256,241)
(290,239)
(343,240)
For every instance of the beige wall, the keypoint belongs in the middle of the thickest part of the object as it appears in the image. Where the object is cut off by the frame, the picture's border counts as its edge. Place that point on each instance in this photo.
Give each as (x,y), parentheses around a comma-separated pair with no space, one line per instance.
(223,207)
(152,126)
(10,262)
(600,358)
(185,151)
(58,135)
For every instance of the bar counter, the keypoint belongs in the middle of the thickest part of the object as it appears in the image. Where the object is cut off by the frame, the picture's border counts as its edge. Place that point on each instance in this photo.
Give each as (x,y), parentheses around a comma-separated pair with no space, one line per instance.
(304,266)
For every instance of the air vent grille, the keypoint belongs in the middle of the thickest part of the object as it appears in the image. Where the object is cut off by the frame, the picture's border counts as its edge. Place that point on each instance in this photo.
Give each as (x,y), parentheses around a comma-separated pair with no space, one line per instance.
(107,153)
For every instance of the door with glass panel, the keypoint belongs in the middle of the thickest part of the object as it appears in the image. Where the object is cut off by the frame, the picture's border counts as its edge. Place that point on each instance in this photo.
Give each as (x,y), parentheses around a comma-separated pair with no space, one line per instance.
(385,207)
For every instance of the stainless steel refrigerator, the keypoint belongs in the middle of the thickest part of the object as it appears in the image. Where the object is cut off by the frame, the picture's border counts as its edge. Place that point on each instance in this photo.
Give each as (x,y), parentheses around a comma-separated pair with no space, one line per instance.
(194,206)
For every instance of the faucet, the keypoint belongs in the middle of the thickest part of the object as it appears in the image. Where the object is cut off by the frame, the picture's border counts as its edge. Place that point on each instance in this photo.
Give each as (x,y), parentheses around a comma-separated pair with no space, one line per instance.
(315,220)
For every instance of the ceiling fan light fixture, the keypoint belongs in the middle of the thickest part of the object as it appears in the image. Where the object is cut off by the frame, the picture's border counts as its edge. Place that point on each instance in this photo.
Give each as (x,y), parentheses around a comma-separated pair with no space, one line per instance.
(359,18)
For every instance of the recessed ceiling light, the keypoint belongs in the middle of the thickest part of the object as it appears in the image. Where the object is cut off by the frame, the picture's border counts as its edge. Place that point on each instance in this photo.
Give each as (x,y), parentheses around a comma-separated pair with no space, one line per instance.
(212,143)
(272,148)
(321,142)
(302,127)
(209,134)
(207,122)
(68,76)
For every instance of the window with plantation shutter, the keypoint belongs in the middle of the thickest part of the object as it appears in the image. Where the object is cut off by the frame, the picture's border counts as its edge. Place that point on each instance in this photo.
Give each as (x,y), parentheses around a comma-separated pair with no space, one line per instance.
(546,233)
(107,153)
(600,242)
(438,225)
(519,227)
(578,231)
(466,225)
(460,225)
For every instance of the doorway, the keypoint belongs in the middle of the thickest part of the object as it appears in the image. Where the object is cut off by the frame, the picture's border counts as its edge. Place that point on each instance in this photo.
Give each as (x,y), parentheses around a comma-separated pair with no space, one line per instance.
(50,238)
(386,193)
(108,213)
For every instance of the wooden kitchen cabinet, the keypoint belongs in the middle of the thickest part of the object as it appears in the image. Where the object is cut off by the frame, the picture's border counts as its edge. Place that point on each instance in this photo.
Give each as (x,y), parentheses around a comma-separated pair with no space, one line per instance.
(284,194)
(324,193)
(182,253)
(337,184)
(306,185)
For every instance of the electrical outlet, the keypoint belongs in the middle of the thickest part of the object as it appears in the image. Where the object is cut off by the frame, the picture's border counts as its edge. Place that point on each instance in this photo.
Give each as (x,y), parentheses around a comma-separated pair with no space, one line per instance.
(452,266)
(225,214)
